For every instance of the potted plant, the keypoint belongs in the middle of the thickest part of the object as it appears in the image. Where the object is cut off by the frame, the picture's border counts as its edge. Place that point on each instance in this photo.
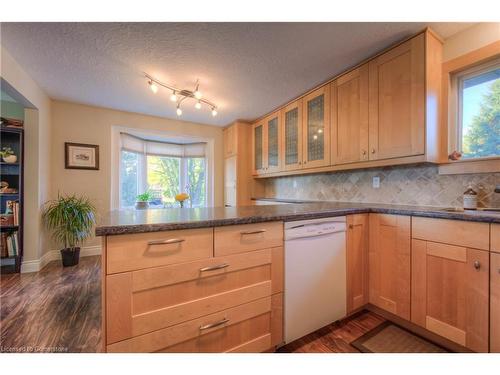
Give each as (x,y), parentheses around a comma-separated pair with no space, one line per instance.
(70,218)
(142,200)
(8,155)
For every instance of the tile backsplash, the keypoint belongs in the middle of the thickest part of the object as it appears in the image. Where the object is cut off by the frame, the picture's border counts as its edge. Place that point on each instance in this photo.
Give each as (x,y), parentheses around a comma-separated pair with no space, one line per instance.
(409,185)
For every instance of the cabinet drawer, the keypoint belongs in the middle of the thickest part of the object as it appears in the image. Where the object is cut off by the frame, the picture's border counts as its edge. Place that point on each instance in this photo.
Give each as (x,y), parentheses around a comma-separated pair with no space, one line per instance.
(495,238)
(247,325)
(147,300)
(453,232)
(241,238)
(130,252)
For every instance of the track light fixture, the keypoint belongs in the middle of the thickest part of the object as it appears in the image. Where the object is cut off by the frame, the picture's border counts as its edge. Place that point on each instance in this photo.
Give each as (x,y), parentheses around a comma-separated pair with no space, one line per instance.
(179,95)
(153,86)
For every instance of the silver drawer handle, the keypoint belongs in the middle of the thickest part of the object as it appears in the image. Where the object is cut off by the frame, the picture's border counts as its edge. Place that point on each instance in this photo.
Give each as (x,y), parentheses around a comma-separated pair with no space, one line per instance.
(477,265)
(253,231)
(166,242)
(213,268)
(213,325)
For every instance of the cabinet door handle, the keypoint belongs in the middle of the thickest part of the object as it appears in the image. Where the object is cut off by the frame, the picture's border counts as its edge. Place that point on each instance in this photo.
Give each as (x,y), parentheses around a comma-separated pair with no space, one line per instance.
(252,232)
(213,325)
(166,242)
(373,151)
(363,152)
(214,268)
(477,265)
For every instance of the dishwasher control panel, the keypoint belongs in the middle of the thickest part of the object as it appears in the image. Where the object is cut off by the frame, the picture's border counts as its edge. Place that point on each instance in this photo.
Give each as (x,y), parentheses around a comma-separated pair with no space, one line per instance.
(313,228)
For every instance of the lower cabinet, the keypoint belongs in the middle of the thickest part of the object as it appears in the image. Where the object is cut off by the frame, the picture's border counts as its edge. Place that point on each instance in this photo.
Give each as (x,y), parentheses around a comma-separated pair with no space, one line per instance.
(357,261)
(450,282)
(389,263)
(495,303)
(232,302)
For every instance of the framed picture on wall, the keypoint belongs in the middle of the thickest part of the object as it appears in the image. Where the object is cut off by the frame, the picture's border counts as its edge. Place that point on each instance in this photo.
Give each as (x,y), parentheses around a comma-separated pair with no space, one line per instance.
(81,156)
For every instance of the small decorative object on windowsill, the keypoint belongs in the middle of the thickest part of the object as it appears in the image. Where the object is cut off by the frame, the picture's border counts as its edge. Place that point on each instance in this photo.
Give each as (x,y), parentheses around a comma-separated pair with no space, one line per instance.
(455,155)
(181,198)
(71,219)
(8,155)
(142,200)
(470,199)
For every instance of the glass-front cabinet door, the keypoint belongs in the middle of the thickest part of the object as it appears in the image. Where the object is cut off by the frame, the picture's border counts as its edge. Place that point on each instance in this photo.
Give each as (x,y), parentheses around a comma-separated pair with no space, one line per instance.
(272,143)
(258,162)
(316,136)
(291,136)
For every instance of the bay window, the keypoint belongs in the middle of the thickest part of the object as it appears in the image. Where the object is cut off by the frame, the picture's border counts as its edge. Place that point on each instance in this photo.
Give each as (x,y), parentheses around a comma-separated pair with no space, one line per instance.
(164,169)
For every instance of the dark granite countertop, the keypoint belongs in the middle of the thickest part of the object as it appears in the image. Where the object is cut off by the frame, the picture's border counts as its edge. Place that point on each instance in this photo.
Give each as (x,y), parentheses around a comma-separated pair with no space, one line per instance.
(153,220)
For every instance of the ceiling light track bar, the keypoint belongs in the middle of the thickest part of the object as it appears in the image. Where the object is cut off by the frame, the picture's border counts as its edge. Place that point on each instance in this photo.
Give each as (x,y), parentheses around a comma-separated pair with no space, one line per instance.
(179,95)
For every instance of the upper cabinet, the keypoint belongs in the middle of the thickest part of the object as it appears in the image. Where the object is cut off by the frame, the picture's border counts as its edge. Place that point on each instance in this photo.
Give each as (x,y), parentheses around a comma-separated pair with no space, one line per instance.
(230,140)
(316,128)
(258,154)
(350,117)
(397,101)
(266,141)
(273,143)
(383,112)
(291,132)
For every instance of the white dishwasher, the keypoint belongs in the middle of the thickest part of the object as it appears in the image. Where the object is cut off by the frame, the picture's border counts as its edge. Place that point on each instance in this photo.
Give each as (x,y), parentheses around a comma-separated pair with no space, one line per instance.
(315,275)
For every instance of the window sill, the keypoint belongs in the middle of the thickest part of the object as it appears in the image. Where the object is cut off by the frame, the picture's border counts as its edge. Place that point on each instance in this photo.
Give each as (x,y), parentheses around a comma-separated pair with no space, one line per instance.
(490,165)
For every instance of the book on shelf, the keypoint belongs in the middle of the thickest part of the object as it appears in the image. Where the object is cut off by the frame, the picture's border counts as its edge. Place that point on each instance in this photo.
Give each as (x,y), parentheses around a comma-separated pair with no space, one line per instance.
(12,208)
(9,244)
(4,252)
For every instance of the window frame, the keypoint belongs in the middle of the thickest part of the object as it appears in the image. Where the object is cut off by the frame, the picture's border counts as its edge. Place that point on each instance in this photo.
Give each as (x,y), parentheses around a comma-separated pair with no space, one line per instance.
(115,183)
(142,175)
(457,109)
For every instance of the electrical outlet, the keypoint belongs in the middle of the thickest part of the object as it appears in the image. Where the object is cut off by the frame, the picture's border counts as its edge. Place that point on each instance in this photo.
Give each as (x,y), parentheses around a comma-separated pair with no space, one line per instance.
(376,182)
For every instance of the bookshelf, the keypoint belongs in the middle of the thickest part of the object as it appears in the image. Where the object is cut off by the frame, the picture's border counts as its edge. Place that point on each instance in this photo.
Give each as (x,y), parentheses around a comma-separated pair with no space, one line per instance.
(11,201)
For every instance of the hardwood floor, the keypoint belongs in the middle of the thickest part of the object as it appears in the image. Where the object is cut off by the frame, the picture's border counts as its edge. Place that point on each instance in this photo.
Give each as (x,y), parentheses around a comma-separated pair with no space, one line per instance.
(58,310)
(55,310)
(335,337)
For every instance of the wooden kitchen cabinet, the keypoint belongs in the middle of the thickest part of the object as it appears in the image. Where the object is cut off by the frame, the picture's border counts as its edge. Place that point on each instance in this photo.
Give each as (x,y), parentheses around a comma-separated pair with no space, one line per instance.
(259,154)
(495,302)
(450,276)
(389,263)
(192,290)
(349,111)
(495,238)
(266,142)
(397,101)
(291,130)
(272,143)
(383,112)
(357,262)
(239,186)
(316,128)
(230,141)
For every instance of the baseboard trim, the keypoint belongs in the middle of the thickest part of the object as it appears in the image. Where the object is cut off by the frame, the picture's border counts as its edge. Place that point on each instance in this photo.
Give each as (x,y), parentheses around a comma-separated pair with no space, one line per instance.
(49,256)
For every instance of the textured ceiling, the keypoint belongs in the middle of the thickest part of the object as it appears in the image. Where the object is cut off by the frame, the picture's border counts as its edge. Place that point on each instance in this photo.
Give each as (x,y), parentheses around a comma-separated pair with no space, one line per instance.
(247,69)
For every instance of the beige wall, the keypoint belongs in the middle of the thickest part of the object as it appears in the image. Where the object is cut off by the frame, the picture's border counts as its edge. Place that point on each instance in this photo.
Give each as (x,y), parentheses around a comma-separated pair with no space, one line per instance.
(37,156)
(86,124)
(474,37)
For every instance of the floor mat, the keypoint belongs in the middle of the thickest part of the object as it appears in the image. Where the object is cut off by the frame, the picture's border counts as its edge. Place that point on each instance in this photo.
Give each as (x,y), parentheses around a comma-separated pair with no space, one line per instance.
(390,338)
